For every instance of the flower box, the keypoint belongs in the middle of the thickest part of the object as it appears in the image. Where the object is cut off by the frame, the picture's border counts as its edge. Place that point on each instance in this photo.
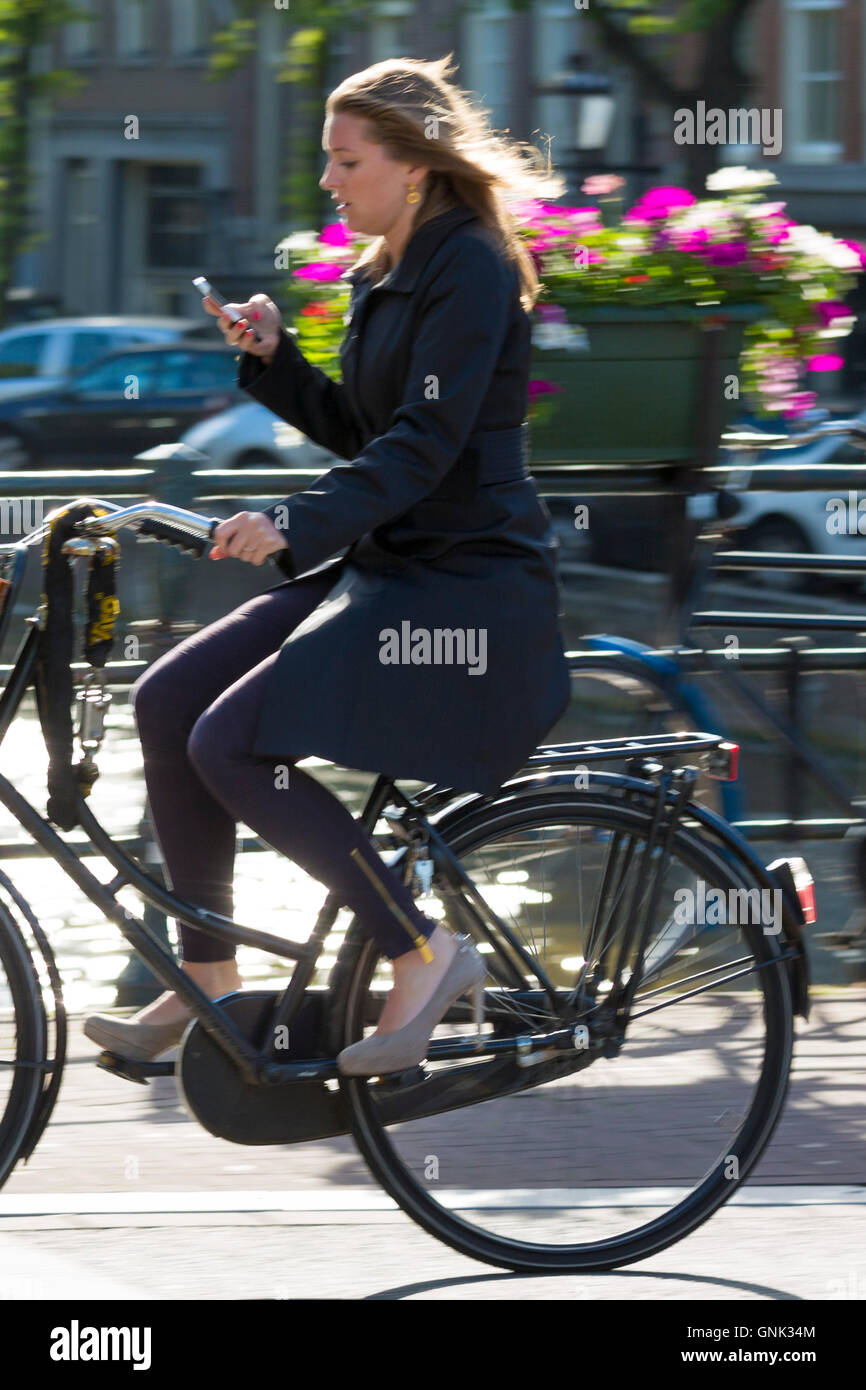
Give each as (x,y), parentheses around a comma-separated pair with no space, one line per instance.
(631,388)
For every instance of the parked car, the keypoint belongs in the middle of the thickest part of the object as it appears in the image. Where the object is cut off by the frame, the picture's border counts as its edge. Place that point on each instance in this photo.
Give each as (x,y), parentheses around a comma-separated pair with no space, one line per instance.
(631,532)
(48,352)
(803,523)
(125,402)
(251,436)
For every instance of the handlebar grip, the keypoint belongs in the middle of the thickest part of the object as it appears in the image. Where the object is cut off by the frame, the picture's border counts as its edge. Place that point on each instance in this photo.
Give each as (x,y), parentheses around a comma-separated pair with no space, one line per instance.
(173,535)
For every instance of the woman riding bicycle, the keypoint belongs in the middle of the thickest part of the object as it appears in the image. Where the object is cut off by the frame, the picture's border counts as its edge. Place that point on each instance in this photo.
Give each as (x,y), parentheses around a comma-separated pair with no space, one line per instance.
(450,562)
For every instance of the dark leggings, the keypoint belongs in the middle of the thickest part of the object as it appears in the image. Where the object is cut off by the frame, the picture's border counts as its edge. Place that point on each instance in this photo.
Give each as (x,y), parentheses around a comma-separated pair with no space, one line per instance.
(196,710)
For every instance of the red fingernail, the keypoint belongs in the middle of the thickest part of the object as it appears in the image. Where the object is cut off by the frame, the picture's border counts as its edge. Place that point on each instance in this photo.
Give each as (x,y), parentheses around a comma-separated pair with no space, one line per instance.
(256,316)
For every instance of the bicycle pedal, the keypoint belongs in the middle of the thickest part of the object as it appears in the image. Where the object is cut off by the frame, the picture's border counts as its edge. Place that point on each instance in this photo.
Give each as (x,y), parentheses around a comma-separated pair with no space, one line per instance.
(399,1080)
(133,1071)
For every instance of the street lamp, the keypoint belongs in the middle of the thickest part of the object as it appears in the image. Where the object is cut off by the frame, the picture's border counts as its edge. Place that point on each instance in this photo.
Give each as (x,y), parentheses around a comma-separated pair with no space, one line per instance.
(593,118)
(594,112)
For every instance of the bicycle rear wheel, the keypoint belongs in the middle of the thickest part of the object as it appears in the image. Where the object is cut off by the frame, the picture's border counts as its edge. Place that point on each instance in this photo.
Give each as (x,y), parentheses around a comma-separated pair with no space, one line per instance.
(588,1169)
(22,1043)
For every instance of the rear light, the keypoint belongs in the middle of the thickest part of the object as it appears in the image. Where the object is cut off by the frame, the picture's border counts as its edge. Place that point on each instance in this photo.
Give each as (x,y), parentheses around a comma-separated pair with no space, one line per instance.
(724,762)
(805,886)
(796,871)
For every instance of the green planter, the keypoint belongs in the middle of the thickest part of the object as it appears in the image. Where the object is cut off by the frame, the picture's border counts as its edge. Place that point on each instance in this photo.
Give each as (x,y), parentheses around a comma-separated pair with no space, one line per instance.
(639,391)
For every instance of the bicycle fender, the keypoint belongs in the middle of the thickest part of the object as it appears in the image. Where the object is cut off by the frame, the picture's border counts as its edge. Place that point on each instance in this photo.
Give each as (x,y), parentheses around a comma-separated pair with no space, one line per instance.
(52,1078)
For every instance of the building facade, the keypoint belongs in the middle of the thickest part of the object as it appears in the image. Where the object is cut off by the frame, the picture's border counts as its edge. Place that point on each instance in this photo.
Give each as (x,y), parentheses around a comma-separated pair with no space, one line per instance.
(152,174)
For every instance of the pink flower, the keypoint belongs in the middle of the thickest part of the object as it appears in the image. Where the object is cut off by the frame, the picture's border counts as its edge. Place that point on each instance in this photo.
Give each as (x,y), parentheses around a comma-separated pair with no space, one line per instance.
(583,256)
(527,209)
(320,270)
(657,203)
(799,403)
(335,234)
(726,253)
(856,246)
(551,313)
(825,362)
(832,309)
(599,184)
(543,388)
(694,241)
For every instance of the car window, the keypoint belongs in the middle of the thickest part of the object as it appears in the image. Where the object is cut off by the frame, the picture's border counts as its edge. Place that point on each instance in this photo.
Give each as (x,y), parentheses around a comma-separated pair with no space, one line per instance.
(21,355)
(130,376)
(88,344)
(197,371)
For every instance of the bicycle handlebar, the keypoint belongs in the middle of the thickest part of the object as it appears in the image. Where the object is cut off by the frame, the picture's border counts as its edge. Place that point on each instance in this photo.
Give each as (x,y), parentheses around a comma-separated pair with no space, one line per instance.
(158,521)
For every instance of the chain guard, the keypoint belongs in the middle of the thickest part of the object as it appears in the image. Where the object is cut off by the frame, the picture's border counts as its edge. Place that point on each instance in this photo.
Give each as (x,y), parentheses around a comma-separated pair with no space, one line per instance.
(224,1103)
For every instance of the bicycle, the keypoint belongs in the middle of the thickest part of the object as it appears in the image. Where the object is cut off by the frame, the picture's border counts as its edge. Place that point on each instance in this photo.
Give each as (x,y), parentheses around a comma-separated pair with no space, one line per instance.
(587,893)
(654,689)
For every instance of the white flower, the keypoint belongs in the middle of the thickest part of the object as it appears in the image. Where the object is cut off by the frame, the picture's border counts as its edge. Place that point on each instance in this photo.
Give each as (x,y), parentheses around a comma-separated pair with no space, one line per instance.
(299,241)
(724,180)
(630,242)
(700,215)
(822,246)
(567,337)
(764,209)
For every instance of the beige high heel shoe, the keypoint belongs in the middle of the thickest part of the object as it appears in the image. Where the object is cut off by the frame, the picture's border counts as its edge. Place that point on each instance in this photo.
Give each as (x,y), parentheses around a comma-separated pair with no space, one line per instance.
(407,1046)
(135,1042)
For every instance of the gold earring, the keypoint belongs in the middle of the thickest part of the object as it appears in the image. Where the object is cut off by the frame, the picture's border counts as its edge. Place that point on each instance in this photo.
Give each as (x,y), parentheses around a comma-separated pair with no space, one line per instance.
(413,196)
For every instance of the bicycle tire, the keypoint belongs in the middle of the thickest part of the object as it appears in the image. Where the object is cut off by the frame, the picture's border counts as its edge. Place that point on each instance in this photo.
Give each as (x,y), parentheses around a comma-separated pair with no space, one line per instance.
(714,1190)
(25,1006)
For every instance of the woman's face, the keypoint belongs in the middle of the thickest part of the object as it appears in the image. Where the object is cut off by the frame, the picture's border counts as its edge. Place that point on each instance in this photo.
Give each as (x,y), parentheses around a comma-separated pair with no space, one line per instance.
(368,187)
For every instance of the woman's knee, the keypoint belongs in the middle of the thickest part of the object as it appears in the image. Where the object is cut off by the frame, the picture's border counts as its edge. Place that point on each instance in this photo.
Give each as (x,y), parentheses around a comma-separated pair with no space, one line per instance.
(154,701)
(205,747)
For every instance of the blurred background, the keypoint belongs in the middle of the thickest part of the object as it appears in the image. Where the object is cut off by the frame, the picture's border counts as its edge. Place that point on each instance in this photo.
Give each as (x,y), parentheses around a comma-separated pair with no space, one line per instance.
(147,141)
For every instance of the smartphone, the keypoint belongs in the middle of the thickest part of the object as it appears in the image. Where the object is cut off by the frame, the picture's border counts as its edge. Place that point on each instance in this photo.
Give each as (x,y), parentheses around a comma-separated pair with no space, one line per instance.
(205,288)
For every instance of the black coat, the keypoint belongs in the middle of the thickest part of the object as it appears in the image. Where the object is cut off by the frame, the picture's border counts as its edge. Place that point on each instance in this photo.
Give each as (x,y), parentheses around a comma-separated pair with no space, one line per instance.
(446,533)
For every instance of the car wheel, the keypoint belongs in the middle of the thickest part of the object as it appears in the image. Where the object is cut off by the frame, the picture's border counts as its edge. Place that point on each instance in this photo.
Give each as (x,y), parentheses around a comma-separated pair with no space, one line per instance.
(777,533)
(13,454)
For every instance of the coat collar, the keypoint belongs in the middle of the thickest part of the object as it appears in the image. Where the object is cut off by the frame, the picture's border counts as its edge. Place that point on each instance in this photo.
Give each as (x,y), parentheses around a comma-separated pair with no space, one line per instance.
(419,248)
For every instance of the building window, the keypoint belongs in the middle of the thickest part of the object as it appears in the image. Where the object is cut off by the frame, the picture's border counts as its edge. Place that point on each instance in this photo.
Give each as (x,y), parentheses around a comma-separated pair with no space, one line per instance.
(813,80)
(486,70)
(190,28)
(388,30)
(82,37)
(133,28)
(556,35)
(176,216)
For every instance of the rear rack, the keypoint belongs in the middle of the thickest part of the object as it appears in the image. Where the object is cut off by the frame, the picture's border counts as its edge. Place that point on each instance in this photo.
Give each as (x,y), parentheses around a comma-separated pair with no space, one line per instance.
(718,752)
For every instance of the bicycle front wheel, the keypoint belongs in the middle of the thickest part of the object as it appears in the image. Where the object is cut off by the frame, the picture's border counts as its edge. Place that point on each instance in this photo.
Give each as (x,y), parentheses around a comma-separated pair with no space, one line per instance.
(587,1168)
(22,1043)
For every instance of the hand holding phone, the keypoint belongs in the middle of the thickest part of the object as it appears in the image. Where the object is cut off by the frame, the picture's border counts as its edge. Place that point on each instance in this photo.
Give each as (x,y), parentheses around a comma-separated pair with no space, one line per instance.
(207,291)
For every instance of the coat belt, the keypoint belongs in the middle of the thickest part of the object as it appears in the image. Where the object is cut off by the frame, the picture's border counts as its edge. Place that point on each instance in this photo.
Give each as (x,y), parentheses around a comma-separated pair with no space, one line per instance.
(503,454)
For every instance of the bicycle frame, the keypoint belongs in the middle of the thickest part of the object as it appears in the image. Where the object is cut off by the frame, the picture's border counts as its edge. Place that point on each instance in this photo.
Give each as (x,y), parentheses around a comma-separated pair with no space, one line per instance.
(510,963)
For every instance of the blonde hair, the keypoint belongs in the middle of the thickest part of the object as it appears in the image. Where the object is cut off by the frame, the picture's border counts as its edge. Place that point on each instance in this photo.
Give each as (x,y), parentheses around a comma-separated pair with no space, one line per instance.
(420,116)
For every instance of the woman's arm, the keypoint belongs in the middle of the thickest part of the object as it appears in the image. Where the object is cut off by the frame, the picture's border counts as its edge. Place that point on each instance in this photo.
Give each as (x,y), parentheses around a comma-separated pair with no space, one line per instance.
(461,327)
(303,395)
